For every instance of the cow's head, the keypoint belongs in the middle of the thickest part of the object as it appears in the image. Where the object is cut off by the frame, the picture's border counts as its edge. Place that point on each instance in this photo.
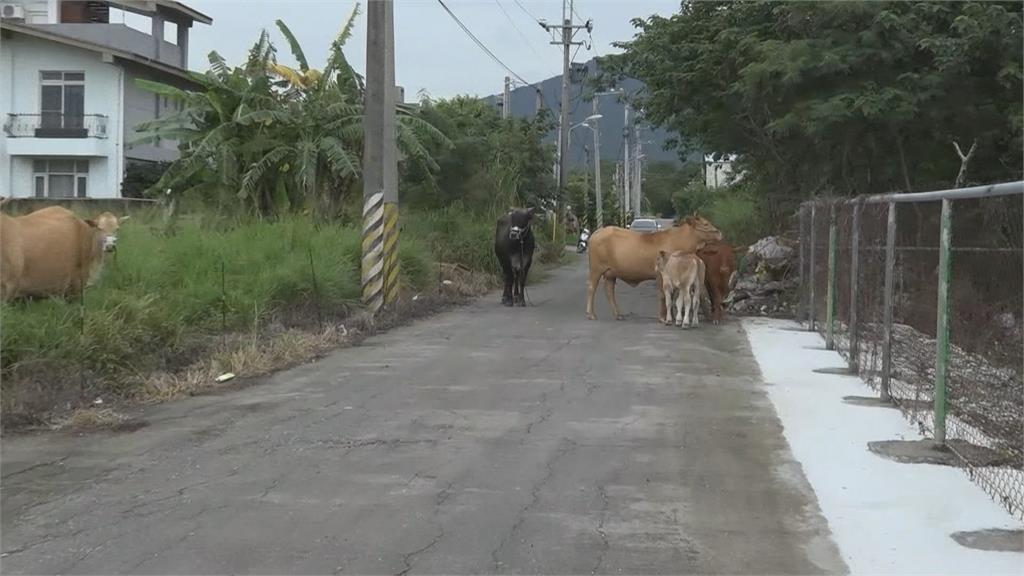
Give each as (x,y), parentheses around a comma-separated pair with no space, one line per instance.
(661,261)
(702,226)
(107,225)
(519,222)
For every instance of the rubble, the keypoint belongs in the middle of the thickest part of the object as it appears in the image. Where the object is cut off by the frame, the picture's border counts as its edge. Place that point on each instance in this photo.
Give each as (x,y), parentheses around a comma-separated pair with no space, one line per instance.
(767,280)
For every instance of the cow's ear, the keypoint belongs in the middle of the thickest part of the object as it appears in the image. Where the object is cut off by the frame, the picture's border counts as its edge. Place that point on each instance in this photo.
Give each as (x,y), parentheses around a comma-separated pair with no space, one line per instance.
(123,218)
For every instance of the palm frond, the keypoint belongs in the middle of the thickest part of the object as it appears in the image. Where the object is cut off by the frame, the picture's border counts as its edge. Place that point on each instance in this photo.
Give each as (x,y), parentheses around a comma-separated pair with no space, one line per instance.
(218,66)
(256,171)
(293,43)
(343,162)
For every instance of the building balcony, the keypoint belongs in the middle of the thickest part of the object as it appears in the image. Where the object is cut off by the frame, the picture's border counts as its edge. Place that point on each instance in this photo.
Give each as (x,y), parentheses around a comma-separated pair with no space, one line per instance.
(56,125)
(124,38)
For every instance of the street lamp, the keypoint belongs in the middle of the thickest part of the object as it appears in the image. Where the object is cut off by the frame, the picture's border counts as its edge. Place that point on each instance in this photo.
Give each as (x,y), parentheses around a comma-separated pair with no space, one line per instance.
(597,163)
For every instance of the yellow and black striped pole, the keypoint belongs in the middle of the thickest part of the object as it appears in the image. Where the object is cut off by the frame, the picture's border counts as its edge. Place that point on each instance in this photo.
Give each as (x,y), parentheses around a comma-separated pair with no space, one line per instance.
(390,253)
(373,252)
(380,161)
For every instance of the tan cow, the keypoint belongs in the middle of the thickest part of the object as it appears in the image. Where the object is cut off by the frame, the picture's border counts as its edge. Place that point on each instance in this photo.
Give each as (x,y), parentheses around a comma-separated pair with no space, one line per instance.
(681,274)
(621,254)
(53,252)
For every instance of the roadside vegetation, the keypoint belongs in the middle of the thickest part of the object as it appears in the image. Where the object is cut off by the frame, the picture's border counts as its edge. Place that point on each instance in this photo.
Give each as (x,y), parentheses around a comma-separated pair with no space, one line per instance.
(833,98)
(253,262)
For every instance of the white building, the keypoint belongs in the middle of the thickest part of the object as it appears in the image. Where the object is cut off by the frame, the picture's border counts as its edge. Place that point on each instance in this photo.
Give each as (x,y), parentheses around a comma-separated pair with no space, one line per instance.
(68,97)
(720,173)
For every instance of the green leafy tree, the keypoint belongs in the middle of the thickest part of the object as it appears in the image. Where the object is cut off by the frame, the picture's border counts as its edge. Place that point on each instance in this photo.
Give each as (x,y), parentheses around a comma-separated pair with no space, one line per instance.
(271,139)
(837,97)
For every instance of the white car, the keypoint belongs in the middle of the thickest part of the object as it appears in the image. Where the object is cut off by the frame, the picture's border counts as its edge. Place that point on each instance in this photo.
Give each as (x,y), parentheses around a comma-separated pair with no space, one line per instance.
(645,225)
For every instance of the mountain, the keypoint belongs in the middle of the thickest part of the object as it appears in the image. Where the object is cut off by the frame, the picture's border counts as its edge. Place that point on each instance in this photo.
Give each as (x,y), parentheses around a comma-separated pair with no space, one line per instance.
(612,109)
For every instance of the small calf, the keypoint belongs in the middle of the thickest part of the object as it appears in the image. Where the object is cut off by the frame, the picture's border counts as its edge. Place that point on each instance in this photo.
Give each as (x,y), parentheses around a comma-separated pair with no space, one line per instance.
(682,275)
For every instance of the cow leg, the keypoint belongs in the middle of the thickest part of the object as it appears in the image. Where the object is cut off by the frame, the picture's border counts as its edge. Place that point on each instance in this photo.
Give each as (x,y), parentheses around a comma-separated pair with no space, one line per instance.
(666,311)
(506,271)
(682,306)
(664,300)
(522,287)
(609,292)
(517,289)
(592,281)
(716,305)
(695,305)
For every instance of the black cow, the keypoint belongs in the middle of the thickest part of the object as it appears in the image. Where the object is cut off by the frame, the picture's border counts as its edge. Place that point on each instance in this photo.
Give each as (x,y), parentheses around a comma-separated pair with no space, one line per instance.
(513,245)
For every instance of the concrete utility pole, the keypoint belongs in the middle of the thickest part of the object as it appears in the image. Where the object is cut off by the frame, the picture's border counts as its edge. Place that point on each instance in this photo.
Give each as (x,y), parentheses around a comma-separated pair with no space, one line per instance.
(626,183)
(506,98)
(638,169)
(567,29)
(618,185)
(598,197)
(380,161)
(599,213)
(586,186)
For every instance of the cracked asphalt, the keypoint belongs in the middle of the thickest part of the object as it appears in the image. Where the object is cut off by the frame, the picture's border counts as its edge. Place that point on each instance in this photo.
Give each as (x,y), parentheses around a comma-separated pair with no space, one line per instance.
(483,440)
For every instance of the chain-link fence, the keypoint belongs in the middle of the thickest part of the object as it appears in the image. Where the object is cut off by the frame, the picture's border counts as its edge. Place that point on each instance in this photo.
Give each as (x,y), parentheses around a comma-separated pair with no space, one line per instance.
(936,326)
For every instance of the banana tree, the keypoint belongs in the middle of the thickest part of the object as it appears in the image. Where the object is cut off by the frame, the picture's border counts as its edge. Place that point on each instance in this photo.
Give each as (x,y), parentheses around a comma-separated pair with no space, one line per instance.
(278,138)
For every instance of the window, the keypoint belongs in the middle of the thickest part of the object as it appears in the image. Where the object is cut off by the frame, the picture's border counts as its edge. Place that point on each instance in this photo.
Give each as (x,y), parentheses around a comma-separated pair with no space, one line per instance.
(60,177)
(62,99)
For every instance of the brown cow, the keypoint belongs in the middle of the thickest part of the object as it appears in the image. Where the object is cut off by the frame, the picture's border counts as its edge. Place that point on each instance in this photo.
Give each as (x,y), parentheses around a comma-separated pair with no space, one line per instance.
(53,252)
(682,275)
(720,261)
(617,253)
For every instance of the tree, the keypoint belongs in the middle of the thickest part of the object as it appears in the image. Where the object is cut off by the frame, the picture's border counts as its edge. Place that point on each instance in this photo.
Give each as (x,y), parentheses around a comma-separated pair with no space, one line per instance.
(272,138)
(493,163)
(837,97)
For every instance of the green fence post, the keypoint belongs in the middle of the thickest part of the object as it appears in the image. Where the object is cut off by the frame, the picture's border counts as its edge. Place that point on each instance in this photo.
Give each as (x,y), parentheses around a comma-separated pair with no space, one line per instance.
(942,322)
(811,312)
(887,305)
(830,304)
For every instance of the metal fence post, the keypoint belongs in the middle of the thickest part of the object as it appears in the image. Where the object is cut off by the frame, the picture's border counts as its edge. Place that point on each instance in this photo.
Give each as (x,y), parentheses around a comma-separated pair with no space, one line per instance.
(803,262)
(810,274)
(887,304)
(942,322)
(855,287)
(830,291)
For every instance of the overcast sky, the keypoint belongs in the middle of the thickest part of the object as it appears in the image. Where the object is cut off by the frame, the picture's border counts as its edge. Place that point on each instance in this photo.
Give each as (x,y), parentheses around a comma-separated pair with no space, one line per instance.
(431,51)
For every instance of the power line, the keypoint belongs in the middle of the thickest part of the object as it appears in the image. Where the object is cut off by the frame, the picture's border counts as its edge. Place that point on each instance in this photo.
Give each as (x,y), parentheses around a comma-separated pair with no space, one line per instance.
(479,43)
(529,44)
(528,13)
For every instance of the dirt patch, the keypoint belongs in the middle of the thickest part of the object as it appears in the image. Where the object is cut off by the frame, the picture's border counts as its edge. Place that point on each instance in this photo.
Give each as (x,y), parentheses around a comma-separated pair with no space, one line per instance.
(50,397)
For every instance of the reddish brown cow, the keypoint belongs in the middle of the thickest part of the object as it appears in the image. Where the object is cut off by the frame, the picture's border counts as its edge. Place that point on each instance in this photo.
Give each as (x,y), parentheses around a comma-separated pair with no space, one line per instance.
(720,260)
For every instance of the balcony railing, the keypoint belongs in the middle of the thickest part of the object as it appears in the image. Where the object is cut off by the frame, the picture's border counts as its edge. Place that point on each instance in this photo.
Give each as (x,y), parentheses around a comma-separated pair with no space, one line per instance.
(56,125)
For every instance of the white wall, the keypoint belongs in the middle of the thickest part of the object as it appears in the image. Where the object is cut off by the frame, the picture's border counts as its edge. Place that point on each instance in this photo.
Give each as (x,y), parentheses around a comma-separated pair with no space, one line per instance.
(23,58)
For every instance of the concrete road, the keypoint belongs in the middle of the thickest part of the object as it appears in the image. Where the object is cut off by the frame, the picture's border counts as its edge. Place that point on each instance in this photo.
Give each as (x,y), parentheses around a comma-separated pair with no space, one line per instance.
(484,440)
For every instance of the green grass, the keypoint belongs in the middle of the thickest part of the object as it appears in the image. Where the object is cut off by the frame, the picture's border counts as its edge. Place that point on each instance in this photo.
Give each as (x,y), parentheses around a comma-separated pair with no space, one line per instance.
(161,292)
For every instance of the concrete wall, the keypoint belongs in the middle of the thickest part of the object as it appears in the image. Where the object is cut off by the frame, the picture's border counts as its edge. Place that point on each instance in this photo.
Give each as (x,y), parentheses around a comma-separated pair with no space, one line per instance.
(120,37)
(85,206)
(143,106)
(23,58)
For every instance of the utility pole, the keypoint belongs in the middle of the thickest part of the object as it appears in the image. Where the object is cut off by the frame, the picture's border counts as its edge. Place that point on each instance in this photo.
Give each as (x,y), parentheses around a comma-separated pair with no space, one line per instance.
(567,29)
(380,161)
(626,183)
(586,186)
(506,99)
(618,188)
(638,169)
(540,102)
(598,195)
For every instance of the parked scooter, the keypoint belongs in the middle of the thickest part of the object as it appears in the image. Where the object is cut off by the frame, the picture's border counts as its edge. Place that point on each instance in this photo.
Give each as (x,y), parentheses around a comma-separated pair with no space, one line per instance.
(581,244)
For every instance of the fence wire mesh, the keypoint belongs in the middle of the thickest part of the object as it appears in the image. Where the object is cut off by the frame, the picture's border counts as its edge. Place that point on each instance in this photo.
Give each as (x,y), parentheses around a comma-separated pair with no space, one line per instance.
(985,387)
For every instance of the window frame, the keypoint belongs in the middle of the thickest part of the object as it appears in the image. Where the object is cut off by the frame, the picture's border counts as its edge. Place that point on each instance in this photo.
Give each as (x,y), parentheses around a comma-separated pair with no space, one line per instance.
(42,171)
